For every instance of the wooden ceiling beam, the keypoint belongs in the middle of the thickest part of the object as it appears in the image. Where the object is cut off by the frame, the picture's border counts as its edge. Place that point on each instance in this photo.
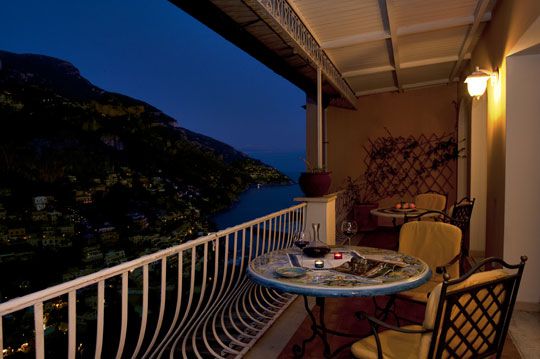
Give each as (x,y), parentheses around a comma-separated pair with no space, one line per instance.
(393,51)
(431,61)
(479,14)
(376,91)
(440,24)
(426,83)
(356,39)
(406,87)
(368,71)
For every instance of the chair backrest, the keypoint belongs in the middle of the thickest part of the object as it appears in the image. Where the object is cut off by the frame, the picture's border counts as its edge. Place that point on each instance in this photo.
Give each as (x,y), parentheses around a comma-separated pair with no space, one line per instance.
(433,201)
(436,243)
(461,213)
(470,315)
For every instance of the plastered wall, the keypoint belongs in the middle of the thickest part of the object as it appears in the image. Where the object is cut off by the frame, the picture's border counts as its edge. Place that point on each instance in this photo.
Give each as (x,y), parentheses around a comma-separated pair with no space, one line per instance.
(415,112)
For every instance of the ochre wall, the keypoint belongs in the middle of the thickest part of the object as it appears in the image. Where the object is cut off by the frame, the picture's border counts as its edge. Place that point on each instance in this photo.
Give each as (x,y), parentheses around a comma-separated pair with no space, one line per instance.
(510,20)
(422,111)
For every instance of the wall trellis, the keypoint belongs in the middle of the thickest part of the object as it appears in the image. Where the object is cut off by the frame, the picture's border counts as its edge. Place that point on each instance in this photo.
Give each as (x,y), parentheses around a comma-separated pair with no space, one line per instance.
(399,166)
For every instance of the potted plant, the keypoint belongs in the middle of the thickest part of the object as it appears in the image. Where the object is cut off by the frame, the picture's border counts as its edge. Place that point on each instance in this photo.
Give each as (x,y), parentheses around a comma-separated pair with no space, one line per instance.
(315,182)
(361,200)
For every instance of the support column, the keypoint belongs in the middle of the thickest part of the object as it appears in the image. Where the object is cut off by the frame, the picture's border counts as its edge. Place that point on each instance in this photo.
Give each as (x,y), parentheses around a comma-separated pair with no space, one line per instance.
(321,210)
(311,131)
(314,127)
(319,120)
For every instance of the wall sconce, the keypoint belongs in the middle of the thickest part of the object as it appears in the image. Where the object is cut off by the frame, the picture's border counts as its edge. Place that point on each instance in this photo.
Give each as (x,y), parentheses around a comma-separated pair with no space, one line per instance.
(477,81)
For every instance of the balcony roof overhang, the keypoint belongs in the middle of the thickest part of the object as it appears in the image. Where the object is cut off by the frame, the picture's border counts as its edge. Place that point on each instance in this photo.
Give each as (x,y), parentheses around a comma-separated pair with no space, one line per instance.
(362,47)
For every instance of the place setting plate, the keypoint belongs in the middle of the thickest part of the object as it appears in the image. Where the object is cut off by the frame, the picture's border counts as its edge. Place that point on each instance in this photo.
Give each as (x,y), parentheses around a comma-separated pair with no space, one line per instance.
(290,272)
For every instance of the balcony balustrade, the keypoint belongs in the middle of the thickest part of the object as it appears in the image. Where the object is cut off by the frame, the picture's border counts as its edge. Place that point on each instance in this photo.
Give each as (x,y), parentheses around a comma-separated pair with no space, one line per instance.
(190,300)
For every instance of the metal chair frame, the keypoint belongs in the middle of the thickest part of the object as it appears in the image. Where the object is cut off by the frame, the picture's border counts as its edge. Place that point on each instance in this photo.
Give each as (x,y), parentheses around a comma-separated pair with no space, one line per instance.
(461,216)
(449,338)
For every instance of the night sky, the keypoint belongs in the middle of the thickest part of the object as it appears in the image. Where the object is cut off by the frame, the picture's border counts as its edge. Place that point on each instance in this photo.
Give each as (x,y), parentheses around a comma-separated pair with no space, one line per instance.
(153,51)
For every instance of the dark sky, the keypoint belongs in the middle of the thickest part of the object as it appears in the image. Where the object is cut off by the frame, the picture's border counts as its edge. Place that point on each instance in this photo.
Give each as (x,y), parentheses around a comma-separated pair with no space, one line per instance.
(153,51)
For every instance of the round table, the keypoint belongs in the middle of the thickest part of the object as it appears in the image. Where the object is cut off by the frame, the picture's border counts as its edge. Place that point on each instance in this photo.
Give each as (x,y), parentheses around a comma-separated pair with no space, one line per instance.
(408,272)
(331,283)
(405,215)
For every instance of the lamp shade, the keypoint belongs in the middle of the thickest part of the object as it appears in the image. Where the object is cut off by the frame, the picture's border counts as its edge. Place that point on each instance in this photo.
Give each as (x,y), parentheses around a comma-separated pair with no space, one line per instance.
(477,83)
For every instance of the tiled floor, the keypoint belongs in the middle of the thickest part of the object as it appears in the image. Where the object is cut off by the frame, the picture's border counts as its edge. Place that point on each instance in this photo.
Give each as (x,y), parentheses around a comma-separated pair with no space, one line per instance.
(340,316)
(525,332)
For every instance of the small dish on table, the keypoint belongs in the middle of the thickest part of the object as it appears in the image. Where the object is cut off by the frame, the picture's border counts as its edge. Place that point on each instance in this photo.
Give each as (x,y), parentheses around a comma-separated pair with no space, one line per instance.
(290,272)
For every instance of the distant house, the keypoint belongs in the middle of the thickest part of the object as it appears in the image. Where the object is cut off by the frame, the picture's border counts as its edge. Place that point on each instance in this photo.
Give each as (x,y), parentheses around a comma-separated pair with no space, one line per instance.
(111,179)
(14,233)
(137,239)
(39,216)
(139,220)
(40,202)
(48,230)
(108,235)
(67,229)
(91,254)
(83,197)
(54,215)
(57,242)
(115,257)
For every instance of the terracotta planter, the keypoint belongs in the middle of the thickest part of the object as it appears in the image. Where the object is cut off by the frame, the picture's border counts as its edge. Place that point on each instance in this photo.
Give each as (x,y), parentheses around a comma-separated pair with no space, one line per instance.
(315,184)
(366,221)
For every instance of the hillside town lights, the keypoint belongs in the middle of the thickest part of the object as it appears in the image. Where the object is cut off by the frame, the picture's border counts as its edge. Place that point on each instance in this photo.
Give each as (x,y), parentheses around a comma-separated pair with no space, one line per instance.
(477,82)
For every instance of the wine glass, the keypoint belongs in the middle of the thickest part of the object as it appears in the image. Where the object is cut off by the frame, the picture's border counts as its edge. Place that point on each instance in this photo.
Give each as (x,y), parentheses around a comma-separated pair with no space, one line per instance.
(300,240)
(349,229)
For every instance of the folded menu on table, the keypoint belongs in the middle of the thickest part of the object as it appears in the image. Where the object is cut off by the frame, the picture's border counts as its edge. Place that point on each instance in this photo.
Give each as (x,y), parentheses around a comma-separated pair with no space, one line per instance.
(366,267)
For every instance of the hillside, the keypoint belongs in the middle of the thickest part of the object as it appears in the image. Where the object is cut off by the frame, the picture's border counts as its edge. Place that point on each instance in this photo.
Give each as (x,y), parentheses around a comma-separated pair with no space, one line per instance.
(83,170)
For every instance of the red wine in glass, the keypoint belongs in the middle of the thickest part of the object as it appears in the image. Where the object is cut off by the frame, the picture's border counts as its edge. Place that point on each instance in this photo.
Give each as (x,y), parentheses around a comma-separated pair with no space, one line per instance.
(301,243)
(300,240)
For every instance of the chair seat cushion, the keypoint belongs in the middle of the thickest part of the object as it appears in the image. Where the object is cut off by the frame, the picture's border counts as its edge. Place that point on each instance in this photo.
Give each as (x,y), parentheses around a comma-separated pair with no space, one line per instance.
(394,345)
(420,294)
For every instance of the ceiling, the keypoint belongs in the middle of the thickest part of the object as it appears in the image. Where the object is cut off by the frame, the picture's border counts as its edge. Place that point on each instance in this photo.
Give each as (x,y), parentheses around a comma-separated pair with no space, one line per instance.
(387,45)
(362,47)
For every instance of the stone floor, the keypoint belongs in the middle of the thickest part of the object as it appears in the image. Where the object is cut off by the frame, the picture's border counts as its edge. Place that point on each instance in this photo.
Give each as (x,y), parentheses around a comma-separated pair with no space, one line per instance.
(525,333)
(339,316)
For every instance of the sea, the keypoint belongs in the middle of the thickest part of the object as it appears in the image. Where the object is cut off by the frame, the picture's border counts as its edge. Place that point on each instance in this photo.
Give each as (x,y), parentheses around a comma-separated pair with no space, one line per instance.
(259,201)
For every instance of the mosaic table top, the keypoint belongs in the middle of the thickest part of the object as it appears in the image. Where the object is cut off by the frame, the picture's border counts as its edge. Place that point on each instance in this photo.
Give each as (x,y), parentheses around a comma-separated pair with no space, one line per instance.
(392,212)
(399,272)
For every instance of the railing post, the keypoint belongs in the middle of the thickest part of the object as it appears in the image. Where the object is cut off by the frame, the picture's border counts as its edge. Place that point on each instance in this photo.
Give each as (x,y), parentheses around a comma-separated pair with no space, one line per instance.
(321,210)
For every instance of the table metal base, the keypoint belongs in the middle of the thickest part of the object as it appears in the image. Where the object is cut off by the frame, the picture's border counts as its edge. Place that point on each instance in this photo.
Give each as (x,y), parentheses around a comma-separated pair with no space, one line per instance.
(319,329)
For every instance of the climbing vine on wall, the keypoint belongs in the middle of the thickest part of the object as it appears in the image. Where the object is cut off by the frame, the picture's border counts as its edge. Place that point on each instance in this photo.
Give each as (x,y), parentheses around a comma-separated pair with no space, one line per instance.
(409,165)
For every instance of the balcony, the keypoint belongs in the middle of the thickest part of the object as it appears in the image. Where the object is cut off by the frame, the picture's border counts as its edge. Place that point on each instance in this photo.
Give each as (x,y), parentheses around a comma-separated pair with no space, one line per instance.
(194,300)
(191,300)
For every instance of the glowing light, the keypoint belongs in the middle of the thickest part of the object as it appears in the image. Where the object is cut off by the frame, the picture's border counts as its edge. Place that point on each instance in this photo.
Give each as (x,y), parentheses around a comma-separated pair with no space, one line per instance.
(477,82)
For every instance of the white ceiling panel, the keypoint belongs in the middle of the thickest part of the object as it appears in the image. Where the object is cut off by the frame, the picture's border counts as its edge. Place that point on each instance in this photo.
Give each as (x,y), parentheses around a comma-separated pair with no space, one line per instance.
(371,82)
(367,55)
(335,19)
(422,74)
(433,44)
(413,12)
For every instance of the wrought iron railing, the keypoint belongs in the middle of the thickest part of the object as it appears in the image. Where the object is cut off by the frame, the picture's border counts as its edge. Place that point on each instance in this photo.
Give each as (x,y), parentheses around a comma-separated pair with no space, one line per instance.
(286,17)
(190,300)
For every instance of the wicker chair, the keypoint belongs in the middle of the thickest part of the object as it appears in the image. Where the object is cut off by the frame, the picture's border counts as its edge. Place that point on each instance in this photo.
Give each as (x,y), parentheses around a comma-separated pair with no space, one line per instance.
(467,317)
